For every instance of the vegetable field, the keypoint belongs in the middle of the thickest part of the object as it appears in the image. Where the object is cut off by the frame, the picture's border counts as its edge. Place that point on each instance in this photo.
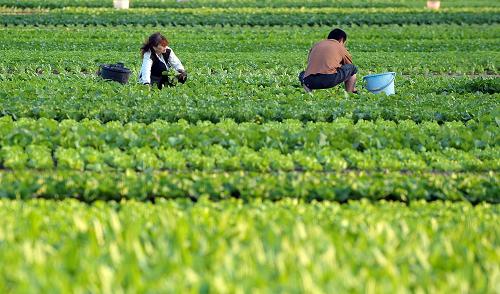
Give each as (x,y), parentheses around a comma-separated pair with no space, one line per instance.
(238,181)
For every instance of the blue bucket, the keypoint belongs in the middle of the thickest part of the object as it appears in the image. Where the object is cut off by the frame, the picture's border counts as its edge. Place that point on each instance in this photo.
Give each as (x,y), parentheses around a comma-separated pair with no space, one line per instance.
(383,82)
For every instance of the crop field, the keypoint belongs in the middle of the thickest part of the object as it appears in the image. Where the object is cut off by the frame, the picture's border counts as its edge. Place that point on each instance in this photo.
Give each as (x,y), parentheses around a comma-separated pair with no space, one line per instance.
(238,181)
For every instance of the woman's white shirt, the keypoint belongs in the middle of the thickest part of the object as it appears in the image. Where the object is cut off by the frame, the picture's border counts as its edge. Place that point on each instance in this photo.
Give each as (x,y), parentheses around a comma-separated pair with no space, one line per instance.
(147,63)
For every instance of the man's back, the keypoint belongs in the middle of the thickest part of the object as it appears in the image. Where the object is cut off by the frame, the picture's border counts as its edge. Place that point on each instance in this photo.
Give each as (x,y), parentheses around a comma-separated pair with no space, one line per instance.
(326,57)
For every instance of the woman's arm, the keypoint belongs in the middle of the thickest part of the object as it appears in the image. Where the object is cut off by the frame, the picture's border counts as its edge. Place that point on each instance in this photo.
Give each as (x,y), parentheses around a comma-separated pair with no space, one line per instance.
(175,62)
(145,73)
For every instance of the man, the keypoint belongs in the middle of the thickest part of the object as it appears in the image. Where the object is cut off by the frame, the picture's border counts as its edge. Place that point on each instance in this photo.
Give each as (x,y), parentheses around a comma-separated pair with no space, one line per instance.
(329,64)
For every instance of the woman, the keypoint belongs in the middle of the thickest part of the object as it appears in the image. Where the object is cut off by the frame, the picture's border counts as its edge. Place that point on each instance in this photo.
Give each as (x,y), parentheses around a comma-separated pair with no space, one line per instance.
(157,59)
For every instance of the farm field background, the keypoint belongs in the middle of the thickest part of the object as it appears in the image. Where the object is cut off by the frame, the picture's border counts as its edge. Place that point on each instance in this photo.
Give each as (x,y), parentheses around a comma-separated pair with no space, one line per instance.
(239,181)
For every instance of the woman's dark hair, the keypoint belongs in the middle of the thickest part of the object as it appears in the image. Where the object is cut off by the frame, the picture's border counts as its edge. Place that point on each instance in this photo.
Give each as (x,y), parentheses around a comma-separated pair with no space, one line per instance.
(337,34)
(153,40)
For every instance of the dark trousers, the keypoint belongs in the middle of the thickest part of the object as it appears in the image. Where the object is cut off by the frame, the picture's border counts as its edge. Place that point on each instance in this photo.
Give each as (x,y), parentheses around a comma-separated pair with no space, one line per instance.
(325,81)
(160,81)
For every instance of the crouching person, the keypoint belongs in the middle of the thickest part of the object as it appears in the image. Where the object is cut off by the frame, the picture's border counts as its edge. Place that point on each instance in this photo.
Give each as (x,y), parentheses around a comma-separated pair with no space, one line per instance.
(157,59)
(329,64)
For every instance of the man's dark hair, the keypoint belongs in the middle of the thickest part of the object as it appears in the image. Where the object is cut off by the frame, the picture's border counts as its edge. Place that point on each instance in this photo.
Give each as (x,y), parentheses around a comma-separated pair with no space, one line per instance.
(337,34)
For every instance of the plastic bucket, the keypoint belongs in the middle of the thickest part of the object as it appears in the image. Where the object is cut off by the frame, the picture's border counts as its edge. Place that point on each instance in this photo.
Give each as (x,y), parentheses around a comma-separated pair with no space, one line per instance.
(383,82)
(115,72)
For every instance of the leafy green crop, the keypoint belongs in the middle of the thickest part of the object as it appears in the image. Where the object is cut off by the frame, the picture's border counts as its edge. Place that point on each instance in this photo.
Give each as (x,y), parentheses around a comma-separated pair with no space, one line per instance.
(216,158)
(480,85)
(286,136)
(73,97)
(244,3)
(403,38)
(267,16)
(269,189)
(229,246)
(249,74)
(341,187)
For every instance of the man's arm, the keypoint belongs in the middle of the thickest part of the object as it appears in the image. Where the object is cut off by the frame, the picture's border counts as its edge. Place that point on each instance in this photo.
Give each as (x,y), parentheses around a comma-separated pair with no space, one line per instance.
(346,58)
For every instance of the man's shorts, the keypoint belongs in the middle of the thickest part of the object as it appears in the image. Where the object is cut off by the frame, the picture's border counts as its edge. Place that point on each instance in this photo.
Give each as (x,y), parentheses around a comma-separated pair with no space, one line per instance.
(325,81)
